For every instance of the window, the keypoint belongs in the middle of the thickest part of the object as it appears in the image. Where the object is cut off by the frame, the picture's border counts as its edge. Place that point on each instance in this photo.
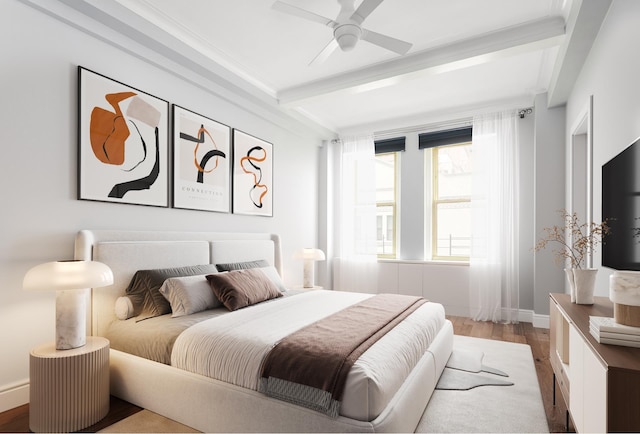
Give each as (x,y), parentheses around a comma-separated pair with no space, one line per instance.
(434,219)
(386,204)
(451,210)
(451,192)
(387,152)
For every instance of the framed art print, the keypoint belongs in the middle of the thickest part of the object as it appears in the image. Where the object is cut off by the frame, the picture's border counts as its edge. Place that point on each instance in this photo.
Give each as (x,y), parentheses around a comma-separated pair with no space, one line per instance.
(123,143)
(201,162)
(252,175)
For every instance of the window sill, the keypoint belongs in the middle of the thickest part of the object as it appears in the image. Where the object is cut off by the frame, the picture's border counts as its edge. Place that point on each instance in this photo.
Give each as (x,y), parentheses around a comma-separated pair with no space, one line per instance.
(426,262)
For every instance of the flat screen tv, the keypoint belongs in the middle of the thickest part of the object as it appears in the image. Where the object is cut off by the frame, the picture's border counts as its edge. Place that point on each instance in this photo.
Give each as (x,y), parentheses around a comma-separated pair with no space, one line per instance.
(621,209)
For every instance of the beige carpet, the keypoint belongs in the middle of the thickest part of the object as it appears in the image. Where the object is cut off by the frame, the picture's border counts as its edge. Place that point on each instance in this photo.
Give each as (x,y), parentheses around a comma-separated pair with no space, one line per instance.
(515,409)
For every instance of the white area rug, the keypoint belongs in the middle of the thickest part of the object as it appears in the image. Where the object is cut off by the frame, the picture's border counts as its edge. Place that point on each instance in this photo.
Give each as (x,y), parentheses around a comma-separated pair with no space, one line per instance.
(515,409)
(465,371)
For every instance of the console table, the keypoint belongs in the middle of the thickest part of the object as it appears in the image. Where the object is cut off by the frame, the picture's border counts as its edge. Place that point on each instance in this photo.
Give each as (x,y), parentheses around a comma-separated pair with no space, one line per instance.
(600,383)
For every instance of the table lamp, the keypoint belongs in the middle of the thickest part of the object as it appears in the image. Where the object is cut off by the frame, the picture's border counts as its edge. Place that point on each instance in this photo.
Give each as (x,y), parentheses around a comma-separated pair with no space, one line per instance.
(309,256)
(70,279)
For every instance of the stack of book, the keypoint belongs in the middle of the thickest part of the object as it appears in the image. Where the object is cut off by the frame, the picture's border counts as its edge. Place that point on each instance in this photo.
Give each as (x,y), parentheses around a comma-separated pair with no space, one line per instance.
(606,331)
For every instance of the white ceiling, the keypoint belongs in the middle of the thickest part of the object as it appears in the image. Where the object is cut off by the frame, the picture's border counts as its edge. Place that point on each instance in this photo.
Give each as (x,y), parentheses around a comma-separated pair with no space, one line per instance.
(466,54)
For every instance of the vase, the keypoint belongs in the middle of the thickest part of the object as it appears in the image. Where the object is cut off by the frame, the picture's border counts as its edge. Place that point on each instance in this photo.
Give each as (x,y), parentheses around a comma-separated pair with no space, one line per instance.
(582,283)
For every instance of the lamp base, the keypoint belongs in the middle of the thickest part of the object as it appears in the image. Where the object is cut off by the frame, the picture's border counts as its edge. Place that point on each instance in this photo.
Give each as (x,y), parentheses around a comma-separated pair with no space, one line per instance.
(626,315)
(71,313)
(307,273)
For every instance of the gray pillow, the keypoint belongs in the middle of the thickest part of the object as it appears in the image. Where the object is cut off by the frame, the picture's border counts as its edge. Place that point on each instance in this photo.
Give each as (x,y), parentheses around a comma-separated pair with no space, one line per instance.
(242,265)
(144,288)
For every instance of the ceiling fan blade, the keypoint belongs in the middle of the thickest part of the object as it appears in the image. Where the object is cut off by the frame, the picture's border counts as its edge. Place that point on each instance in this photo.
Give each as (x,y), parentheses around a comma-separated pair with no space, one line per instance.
(391,44)
(365,9)
(302,13)
(325,53)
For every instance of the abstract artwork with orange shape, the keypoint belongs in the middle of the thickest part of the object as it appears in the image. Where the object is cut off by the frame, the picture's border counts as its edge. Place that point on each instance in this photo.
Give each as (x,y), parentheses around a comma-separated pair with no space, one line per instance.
(123,142)
(108,130)
(252,175)
(201,162)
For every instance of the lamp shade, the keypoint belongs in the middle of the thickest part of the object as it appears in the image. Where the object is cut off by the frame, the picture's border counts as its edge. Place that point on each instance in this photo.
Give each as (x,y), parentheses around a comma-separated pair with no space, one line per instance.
(71,280)
(67,275)
(310,254)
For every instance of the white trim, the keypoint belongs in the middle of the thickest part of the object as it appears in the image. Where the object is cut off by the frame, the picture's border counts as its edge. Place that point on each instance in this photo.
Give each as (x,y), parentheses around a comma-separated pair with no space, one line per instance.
(537,320)
(524,315)
(541,321)
(14,395)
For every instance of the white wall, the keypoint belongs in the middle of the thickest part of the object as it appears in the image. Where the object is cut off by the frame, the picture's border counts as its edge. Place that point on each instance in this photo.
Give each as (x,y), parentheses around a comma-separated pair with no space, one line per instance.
(41,215)
(549,197)
(610,74)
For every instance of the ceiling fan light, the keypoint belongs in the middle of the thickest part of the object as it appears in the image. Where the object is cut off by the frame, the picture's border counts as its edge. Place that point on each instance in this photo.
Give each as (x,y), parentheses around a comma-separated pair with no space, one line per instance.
(347,42)
(347,36)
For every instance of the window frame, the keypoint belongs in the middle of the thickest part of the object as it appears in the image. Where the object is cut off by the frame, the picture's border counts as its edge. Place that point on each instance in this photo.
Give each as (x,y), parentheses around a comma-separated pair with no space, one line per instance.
(435,201)
(393,205)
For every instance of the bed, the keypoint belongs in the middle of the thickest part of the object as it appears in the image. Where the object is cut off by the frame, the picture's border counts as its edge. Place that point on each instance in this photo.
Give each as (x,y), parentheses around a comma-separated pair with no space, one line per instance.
(380,395)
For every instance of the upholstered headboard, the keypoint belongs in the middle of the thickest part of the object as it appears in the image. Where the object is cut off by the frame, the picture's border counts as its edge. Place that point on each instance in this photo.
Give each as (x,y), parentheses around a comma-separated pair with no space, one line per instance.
(128,251)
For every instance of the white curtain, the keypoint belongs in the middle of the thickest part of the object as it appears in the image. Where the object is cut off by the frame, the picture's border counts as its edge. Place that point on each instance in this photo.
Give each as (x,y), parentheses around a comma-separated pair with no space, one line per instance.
(494,276)
(356,215)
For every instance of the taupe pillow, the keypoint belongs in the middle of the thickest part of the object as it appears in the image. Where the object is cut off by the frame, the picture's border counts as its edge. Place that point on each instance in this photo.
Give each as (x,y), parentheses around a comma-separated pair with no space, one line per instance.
(242,288)
(144,288)
(262,264)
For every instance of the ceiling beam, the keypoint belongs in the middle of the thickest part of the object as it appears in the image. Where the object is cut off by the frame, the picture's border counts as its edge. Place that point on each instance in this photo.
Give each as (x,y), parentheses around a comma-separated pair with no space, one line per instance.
(533,35)
(583,24)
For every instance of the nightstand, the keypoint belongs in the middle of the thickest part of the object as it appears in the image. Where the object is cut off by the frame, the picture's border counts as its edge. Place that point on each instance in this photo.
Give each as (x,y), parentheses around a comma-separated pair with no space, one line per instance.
(69,389)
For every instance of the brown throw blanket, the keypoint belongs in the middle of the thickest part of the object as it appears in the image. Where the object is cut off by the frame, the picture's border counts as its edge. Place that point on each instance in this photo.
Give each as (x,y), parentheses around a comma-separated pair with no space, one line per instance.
(310,366)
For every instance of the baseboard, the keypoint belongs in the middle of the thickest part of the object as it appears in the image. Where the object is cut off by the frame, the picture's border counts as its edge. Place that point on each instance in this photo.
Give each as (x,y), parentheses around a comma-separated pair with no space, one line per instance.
(537,320)
(14,396)
(525,315)
(541,321)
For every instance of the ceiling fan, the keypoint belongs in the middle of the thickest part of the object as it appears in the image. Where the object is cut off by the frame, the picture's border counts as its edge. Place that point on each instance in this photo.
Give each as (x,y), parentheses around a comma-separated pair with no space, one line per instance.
(347,27)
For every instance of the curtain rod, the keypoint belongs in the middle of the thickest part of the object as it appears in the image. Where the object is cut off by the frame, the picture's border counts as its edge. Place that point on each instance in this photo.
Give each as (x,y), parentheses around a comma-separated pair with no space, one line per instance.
(444,125)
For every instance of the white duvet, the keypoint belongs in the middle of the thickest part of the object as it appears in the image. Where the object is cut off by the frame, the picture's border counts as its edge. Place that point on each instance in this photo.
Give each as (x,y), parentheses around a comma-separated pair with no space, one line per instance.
(231,347)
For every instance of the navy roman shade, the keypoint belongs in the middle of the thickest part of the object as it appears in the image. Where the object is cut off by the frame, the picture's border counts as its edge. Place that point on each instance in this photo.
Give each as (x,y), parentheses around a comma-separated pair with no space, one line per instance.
(445,137)
(390,145)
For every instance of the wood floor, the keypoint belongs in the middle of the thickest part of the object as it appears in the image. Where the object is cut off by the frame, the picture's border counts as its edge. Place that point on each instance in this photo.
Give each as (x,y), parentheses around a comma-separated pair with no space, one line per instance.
(17,419)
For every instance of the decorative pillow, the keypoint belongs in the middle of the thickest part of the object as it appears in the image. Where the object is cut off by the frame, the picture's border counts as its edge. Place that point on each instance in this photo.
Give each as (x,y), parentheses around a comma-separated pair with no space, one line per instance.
(241,288)
(273,275)
(242,265)
(124,308)
(145,285)
(189,294)
(262,264)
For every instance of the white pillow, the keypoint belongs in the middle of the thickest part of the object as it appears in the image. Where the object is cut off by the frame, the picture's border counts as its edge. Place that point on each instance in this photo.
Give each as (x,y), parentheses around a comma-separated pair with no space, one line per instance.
(273,275)
(124,308)
(188,294)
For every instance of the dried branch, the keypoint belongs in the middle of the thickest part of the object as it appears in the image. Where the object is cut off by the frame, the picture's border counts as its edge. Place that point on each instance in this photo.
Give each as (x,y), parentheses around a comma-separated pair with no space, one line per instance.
(584,237)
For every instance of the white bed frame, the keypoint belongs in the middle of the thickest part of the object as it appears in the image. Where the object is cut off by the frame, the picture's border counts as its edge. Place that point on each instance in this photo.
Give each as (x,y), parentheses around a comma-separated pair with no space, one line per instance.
(209,405)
